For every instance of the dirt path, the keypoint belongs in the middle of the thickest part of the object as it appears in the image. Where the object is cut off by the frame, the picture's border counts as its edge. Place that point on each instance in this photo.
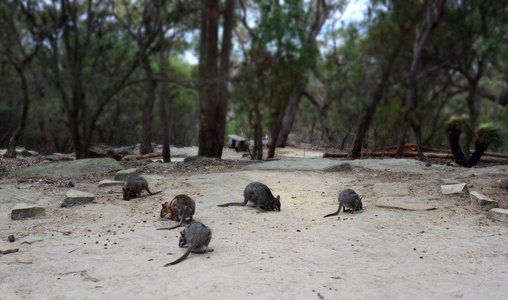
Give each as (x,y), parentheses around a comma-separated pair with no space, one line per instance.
(111,250)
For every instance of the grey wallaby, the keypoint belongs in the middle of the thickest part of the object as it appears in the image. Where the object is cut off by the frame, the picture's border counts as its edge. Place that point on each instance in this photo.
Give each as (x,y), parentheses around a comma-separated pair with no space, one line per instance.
(181,208)
(260,195)
(348,199)
(134,187)
(197,237)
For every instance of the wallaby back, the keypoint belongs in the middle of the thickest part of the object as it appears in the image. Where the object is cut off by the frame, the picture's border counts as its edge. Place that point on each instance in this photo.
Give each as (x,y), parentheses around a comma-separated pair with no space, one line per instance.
(196,236)
(259,194)
(348,199)
(134,187)
(180,208)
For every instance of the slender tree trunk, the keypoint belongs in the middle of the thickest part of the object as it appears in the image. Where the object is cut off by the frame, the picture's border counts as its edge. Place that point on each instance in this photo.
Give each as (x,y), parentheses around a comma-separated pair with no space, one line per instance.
(164,96)
(289,118)
(258,132)
(454,132)
(417,128)
(473,104)
(147,122)
(276,127)
(13,141)
(480,148)
(40,114)
(368,113)
(420,41)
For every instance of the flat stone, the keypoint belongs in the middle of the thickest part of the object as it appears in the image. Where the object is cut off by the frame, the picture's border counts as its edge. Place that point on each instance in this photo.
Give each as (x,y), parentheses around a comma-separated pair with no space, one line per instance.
(197,159)
(126,174)
(23,211)
(74,198)
(503,183)
(344,167)
(161,165)
(409,203)
(459,188)
(498,214)
(74,168)
(482,202)
(392,189)
(105,183)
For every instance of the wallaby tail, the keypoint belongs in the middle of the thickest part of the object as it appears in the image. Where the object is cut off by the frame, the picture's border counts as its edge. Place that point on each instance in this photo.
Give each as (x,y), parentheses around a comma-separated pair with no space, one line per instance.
(234,204)
(335,213)
(184,256)
(149,192)
(176,226)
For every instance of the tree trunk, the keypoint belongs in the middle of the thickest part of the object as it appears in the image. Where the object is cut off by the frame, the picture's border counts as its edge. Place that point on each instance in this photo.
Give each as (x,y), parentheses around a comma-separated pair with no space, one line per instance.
(164,96)
(421,39)
(480,148)
(258,132)
(276,127)
(210,143)
(454,140)
(40,113)
(147,108)
(289,118)
(13,141)
(368,114)
(473,104)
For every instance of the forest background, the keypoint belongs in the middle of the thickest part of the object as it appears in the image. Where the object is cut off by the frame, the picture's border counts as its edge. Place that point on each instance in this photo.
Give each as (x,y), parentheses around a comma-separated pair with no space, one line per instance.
(77,73)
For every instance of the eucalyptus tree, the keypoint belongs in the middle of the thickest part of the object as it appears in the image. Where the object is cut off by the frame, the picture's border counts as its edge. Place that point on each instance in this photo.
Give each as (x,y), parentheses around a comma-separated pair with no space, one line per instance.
(470,42)
(21,42)
(214,75)
(389,30)
(279,50)
(433,9)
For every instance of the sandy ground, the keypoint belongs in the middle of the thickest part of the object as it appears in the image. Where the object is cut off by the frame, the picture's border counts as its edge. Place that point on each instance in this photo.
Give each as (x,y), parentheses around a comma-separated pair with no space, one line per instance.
(111,250)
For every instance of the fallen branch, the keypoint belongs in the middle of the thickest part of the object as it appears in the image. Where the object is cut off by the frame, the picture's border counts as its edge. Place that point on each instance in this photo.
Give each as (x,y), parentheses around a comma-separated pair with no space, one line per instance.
(424,148)
(141,156)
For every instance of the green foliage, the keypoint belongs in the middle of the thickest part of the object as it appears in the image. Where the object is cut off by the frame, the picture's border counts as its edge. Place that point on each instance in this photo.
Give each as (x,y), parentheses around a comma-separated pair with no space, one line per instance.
(493,134)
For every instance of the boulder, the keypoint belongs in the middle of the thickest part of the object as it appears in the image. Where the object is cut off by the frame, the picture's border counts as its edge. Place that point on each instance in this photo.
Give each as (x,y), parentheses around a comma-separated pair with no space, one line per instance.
(126,174)
(105,183)
(482,202)
(160,165)
(23,211)
(74,197)
(498,214)
(503,183)
(344,167)
(74,168)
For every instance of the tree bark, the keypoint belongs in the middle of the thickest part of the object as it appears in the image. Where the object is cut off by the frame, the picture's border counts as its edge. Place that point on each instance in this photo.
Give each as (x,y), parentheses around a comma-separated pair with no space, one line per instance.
(420,41)
(213,98)
(289,118)
(13,141)
(147,108)
(164,96)
(40,113)
(208,73)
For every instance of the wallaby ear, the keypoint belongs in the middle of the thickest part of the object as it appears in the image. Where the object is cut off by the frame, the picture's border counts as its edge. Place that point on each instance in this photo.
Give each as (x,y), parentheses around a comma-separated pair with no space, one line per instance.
(163,206)
(278,197)
(181,232)
(124,189)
